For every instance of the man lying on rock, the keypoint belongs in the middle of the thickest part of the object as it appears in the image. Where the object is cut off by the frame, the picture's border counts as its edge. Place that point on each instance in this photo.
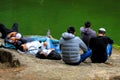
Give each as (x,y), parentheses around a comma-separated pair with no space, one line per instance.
(38,49)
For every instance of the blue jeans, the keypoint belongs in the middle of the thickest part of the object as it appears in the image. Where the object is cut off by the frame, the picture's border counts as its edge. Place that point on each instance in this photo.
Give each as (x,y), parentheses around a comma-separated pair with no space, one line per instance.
(51,45)
(87,54)
(84,56)
(109,50)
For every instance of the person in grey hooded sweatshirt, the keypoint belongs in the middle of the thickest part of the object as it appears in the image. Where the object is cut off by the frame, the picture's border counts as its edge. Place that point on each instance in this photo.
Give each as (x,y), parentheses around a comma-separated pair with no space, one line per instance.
(87,33)
(71,47)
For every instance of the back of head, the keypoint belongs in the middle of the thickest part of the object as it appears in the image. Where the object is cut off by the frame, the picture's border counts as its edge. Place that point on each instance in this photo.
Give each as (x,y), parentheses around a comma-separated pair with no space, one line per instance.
(21,48)
(101,31)
(87,24)
(71,29)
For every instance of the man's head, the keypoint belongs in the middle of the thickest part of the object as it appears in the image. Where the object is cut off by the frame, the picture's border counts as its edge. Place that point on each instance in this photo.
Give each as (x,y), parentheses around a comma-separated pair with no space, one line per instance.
(87,24)
(71,29)
(102,30)
(23,48)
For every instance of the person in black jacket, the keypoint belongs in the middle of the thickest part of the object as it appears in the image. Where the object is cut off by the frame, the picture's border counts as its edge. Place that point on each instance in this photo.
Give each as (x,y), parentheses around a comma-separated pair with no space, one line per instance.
(101,47)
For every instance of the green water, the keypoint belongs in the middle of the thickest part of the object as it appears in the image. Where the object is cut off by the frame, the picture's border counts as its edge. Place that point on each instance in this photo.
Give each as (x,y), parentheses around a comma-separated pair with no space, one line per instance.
(35,17)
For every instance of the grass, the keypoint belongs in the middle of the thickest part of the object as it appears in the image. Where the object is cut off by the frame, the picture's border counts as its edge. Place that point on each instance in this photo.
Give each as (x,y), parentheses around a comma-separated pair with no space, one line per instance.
(116,46)
(35,17)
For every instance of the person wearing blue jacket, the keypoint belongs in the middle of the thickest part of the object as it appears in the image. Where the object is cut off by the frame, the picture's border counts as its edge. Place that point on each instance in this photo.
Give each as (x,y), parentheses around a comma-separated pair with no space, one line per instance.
(71,47)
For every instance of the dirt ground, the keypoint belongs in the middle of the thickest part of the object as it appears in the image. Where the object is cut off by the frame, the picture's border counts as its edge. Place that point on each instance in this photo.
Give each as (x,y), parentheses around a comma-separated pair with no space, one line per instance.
(43,69)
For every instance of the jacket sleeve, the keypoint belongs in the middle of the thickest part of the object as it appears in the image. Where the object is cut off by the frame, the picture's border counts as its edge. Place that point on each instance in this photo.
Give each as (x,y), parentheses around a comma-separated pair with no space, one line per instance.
(110,41)
(83,45)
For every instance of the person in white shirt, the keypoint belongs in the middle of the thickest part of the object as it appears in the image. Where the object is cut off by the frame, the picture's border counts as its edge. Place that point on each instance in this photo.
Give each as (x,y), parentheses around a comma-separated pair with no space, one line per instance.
(39,50)
(32,47)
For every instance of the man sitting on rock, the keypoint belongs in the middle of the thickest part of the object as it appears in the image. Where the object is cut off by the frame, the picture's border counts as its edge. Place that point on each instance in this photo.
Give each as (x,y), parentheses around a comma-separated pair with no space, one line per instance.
(101,47)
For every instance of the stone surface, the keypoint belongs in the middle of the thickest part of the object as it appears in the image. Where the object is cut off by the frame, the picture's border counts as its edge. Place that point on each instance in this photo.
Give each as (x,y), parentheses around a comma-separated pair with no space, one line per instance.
(32,68)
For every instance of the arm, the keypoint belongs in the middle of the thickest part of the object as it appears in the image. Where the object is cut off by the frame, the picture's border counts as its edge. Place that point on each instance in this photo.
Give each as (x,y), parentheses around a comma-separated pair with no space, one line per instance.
(14,39)
(110,41)
(12,34)
(83,46)
(90,43)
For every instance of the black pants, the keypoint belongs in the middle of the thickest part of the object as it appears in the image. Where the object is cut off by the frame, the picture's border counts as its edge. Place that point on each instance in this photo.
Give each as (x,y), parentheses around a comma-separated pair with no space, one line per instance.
(52,56)
(4,31)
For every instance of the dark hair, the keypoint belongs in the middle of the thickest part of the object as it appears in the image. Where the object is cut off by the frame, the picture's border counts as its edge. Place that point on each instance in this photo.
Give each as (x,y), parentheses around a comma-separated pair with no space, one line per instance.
(71,29)
(87,24)
(41,56)
(21,48)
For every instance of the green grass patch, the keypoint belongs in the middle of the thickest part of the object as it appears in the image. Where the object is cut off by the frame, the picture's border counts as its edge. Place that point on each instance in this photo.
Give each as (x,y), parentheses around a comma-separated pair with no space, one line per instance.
(116,46)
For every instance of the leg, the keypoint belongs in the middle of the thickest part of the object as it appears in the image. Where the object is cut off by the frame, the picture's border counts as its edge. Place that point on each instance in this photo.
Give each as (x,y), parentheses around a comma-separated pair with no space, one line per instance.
(85,55)
(109,50)
(15,27)
(56,47)
(50,44)
(4,31)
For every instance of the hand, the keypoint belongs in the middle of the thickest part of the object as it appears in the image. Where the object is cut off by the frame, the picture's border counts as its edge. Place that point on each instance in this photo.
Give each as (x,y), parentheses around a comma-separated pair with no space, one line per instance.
(45,44)
(13,39)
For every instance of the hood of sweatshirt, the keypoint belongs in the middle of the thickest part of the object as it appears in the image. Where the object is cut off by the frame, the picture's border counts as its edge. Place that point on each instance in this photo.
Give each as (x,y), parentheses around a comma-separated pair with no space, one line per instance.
(82,29)
(67,36)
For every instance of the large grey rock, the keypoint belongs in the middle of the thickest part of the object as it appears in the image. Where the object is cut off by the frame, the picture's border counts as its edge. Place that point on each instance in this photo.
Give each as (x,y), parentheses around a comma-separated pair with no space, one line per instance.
(43,69)
(8,56)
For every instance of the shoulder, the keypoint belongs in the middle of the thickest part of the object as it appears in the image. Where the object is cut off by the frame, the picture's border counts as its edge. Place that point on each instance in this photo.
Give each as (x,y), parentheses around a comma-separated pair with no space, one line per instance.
(77,38)
(93,38)
(91,30)
(61,38)
(81,28)
(106,37)
(109,39)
